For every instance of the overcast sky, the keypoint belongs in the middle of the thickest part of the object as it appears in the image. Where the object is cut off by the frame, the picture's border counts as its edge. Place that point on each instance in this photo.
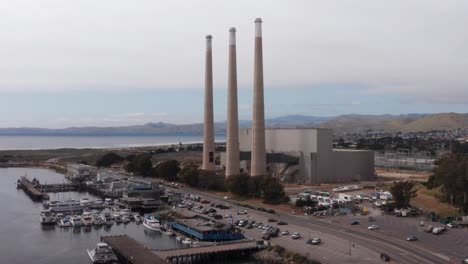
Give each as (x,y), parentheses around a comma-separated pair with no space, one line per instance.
(112,62)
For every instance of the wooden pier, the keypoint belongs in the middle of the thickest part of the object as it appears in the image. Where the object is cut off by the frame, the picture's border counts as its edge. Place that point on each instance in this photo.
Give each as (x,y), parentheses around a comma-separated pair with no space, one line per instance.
(30,189)
(212,254)
(60,187)
(130,251)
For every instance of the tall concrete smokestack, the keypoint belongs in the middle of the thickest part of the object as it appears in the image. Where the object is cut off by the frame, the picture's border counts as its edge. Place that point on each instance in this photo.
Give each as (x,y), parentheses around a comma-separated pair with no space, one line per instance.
(258,165)
(208,135)
(232,145)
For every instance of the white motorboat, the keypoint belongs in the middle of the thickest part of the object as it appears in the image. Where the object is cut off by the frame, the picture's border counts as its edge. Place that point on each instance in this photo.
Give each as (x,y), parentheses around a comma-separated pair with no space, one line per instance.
(108,201)
(48,217)
(75,221)
(138,218)
(98,220)
(125,219)
(64,222)
(102,254)
(85,202)
(125,212)
(179,238)
(87,219)
(169,232)
(152,223)
(187,241)
(108,219)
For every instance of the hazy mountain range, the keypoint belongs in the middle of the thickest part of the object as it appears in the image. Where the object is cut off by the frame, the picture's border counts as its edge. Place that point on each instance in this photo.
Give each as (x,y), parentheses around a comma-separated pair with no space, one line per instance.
(343,123)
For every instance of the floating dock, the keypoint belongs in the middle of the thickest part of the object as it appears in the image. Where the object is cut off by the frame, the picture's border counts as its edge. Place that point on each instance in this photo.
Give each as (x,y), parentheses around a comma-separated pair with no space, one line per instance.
(212,254)
(130,251)
(30,189)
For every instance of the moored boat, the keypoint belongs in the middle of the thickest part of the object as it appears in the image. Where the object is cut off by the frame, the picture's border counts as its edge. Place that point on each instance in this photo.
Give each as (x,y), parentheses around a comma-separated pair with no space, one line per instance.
(75,221)
(47,217)
(64,222)
(102,254)
(152,223)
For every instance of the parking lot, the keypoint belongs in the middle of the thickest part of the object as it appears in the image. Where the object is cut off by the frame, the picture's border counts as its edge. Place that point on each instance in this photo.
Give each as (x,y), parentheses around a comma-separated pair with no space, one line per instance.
(452,242)
(332,249)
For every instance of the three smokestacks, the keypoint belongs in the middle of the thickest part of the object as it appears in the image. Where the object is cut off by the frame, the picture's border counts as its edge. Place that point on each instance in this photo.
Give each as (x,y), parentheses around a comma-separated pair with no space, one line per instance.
(258,163)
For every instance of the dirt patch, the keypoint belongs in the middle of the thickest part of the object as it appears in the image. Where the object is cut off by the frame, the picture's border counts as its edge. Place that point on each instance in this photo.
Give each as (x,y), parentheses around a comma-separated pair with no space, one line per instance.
(428,202)
(403,174)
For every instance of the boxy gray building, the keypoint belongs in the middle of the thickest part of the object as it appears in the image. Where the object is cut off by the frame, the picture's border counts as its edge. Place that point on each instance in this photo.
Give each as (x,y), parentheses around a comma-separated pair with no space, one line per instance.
(306,155)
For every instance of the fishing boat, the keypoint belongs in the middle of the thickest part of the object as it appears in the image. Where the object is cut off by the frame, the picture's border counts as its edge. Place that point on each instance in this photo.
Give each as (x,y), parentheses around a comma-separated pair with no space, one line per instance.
(102,254)
(152,223)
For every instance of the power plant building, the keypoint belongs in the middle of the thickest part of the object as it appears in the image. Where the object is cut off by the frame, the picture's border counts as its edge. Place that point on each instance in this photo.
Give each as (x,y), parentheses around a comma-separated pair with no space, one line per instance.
(306,155)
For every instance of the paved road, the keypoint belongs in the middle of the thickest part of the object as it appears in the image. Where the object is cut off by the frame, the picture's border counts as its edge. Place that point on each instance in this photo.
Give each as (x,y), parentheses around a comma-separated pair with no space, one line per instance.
(399,250)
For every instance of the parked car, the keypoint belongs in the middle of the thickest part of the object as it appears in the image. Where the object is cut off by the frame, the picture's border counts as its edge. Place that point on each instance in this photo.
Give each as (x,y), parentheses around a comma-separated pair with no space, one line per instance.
(282,223)
(217,216)
(355,222)
(429,229)
(373,227)
(204,201)
(266,237)
(296,235)
(384,257)
(452,225)
(285,233)
(242,212)
(411,238)
(314,241)
(465,260)
(272,220)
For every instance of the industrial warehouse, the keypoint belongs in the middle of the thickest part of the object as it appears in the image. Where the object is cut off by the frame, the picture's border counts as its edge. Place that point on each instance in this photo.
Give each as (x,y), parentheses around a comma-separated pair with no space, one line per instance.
(306,155)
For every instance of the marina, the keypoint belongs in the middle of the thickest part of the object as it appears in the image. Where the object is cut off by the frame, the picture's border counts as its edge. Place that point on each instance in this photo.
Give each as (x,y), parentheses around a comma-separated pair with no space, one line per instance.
(76,231)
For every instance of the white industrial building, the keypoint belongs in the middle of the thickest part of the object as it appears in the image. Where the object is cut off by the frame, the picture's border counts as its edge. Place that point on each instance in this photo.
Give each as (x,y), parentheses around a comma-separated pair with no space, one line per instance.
(306,155)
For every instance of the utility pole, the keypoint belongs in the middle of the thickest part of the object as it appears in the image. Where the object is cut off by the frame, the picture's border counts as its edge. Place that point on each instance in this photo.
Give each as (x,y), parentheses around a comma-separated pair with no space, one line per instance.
(350,247)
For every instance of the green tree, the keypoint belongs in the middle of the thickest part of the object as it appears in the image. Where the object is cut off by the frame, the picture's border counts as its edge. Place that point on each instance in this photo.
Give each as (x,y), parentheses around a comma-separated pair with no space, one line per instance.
(189,174)
(108,160)
(402,193)
(140,165)
(273,191)
(168,170)
(238,184)
(451,172)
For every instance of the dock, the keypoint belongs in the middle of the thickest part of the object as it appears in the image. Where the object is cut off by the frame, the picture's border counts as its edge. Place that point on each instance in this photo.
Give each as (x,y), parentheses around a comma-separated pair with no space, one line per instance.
(218,253)
(130,251)
(30,189)
(60,187)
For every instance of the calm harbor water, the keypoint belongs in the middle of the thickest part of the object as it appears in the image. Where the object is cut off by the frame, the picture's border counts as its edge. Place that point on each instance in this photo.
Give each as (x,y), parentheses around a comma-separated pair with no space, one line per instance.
(56,142)
(24,240)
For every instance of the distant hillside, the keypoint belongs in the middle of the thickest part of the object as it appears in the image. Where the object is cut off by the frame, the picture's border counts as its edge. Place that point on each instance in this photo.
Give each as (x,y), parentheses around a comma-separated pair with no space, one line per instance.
(355,123)
(344,123)
(444,121)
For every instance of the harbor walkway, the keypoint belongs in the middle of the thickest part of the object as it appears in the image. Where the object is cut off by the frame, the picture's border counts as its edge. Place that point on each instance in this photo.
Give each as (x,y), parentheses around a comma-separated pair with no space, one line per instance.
(131,251)
(202,254)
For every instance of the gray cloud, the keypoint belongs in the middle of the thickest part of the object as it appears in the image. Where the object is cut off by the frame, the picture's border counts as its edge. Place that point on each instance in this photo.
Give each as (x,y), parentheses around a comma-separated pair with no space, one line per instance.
(416,49)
